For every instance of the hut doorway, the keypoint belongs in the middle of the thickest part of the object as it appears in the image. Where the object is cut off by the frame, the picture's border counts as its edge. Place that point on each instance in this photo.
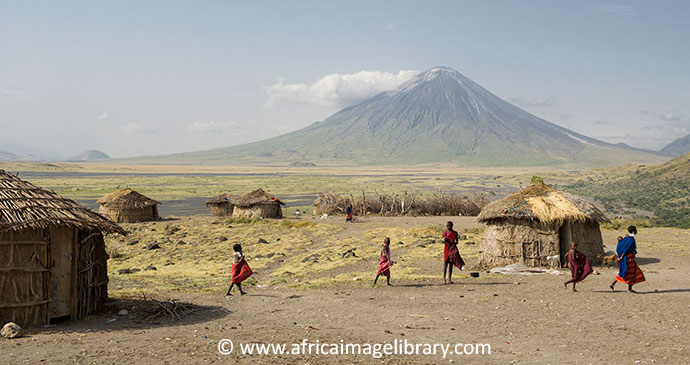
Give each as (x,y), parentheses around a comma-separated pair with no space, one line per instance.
(565,237)
(61,240)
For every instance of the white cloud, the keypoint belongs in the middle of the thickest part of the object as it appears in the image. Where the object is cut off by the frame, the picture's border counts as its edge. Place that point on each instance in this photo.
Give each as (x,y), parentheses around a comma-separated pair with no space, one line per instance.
(390,26)
(531,103)
(212,126)
(140,127)
(672,116)
(103,116)
(18,94)
(336,89)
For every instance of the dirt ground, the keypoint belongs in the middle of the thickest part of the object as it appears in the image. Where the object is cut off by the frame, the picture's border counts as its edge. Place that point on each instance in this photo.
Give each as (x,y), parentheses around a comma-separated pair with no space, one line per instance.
(525,319)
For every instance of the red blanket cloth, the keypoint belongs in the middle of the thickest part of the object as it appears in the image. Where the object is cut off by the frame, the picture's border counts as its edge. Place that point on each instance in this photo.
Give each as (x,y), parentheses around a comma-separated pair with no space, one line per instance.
(385,263)
(580,266)
(240,272)
(633,275)
(452,255)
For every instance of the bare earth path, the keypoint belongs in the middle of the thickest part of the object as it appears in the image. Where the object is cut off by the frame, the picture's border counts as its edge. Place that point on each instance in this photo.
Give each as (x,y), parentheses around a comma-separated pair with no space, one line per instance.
(525,319)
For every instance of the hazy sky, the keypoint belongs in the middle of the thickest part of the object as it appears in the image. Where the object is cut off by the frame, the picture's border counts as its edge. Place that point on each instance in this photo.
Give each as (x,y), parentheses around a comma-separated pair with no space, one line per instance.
(152,77)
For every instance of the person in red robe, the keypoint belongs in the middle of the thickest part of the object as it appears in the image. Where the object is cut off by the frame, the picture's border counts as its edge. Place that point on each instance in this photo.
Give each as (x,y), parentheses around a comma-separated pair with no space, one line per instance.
(385,262)
(451,255)
(580,267)
(240,269)
(628,271)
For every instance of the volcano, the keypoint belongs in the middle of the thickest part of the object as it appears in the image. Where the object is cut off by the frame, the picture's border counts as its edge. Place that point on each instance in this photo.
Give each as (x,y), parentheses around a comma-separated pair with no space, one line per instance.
(440,116)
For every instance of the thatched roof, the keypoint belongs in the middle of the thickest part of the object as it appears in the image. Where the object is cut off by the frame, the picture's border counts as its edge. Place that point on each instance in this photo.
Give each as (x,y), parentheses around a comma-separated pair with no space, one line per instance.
(126,199)
(541,202)
(257,196)
(222,198)
(24,205)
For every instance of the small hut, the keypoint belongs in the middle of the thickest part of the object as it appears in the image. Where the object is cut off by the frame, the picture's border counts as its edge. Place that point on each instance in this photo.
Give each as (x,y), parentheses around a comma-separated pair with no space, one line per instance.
(53,262)
(128,206)
(221,205)
(258,204)
(536,225)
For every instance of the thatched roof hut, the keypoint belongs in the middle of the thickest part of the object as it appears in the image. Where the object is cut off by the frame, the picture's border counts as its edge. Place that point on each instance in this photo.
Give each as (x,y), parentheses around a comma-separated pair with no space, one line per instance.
(128,206)
(539,222)
(221,205)
(53,261)
(258,204)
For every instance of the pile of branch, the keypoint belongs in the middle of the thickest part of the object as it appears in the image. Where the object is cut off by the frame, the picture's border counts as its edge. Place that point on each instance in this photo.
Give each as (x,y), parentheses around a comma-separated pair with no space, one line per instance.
(394,204)
(171,308)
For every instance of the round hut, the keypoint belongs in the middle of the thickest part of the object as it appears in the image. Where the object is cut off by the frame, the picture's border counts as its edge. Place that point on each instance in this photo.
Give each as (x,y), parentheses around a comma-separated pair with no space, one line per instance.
(128,206)
(221,205)
(258,204)
(53,262)
(536,225)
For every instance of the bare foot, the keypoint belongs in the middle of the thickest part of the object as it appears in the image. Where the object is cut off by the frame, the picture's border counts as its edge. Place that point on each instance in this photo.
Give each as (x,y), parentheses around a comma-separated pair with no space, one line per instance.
(243,293)
(612,289)
(228,294)
(451,282)
(565,285)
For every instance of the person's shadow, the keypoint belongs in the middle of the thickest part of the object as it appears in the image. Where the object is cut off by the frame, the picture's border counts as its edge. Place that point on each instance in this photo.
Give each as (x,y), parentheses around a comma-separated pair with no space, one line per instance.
(647,260)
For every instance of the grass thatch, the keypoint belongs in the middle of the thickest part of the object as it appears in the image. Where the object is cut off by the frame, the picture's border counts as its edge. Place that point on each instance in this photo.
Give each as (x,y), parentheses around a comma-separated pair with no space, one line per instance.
(126,199)
(24,205)
(543,203)
(222,198)
(258,196)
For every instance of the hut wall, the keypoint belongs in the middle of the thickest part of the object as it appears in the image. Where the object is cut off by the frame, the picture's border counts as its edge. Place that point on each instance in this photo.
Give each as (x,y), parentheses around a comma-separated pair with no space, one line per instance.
(92,274)
(587,235)
(258,211)
(51,273)
(221,209)
(24,277)
(503,243)
(130,215)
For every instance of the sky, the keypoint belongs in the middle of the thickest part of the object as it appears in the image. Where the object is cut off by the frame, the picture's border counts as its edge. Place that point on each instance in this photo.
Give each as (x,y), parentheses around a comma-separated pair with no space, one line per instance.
(135,78)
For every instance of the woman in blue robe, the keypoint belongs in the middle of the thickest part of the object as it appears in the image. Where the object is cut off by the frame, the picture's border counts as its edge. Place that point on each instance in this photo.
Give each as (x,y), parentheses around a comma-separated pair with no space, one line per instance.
(628,271)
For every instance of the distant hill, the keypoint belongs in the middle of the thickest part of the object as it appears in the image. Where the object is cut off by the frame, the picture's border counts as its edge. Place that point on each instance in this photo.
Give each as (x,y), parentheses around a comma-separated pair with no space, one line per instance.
(9,156)
(663,189)
(90,155)
(439,116)
(678,147)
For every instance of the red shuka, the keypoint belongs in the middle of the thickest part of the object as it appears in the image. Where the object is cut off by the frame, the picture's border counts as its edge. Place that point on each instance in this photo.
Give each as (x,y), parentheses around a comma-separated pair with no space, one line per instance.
(580,266)
(633,275)
(450,249)
(385,262)
(241,271)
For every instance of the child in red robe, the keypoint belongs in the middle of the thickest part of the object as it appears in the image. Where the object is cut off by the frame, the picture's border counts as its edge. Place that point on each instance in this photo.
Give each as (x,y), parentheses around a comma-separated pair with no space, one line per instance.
(240,269)
(579,264)
(451,255)
(385,262)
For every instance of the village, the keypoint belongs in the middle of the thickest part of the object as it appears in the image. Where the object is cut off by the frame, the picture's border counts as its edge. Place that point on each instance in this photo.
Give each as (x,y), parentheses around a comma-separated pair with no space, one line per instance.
(66,268)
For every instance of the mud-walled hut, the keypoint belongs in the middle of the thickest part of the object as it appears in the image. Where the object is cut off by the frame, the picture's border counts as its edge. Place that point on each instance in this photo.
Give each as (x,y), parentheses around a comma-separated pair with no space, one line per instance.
(221,205)
(258,204)
(128,206)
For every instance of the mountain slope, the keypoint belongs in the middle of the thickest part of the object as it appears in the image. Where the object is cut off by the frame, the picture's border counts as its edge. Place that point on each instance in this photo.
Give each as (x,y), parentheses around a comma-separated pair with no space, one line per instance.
(440,116)
(678,147)
(662,189)
(90,155)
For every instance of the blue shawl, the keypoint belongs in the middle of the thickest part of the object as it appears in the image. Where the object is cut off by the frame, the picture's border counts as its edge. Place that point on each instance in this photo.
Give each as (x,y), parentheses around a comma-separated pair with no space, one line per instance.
(625,246)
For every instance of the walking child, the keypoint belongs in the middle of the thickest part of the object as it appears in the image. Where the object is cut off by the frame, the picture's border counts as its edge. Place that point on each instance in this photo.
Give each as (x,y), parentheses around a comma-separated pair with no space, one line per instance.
(240,269)
(580,267)
(451,255)
(385,262)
